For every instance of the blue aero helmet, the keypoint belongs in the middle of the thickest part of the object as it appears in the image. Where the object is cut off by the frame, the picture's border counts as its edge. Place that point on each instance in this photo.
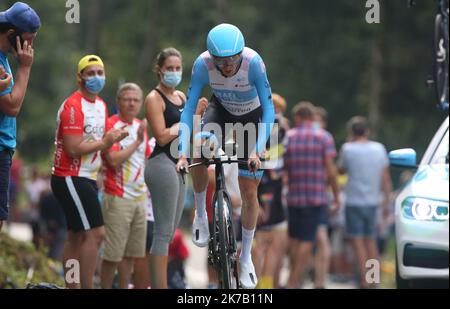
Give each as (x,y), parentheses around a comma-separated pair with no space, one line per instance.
(225,40)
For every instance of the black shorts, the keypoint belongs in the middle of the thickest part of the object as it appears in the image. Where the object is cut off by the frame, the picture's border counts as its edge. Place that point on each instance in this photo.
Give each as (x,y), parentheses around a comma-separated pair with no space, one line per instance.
(324,216)
(216,116)
(5,167)
(270,201)
(79,199)
(303,222)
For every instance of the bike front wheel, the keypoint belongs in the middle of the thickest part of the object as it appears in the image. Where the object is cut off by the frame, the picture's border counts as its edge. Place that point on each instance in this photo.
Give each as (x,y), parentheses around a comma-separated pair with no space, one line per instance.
(224,267)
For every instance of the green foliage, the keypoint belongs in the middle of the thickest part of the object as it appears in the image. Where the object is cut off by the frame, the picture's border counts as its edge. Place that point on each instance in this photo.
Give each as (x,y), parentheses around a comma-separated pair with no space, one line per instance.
(319,51)
(21,263)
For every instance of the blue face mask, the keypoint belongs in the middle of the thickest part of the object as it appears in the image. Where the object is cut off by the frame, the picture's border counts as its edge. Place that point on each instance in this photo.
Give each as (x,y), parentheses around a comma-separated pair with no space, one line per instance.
(95,84)
(172,79)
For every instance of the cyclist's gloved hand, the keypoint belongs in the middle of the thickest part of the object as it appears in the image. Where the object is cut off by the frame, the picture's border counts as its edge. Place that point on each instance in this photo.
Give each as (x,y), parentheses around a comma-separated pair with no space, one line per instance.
(201,106)
(254,163)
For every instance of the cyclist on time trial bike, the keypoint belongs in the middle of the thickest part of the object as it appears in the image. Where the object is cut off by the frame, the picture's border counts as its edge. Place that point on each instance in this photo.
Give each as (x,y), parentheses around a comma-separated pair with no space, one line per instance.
(241,95)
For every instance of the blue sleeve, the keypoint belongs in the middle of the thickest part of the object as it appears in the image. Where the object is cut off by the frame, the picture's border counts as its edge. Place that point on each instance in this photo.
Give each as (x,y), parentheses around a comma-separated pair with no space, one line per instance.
(258,77)
(199,79)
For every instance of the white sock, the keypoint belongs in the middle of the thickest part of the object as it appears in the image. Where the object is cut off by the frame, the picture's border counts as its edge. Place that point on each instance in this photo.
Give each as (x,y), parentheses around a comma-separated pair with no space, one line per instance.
(200,204)
(247,240)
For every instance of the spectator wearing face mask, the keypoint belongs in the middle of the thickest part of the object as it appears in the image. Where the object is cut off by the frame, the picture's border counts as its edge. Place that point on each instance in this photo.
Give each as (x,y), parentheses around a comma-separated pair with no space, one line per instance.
(80,138)
(164,106)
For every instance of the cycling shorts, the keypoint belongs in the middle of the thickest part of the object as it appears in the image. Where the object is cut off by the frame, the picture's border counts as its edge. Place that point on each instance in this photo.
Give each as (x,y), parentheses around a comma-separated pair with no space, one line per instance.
(243,129)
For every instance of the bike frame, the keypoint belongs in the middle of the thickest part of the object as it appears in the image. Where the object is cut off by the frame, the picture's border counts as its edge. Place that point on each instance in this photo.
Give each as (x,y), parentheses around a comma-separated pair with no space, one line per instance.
(223,253)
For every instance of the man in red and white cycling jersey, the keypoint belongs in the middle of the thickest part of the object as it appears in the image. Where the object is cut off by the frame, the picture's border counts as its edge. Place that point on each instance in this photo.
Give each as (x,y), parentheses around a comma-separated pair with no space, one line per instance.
(80,137)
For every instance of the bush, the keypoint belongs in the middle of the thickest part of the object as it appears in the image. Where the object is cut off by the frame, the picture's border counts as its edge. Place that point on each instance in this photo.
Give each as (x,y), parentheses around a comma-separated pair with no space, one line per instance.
(21,263)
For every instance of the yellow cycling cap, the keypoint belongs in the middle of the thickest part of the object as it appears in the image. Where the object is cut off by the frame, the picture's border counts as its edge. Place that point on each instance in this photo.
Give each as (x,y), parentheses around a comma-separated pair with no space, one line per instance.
(89,60)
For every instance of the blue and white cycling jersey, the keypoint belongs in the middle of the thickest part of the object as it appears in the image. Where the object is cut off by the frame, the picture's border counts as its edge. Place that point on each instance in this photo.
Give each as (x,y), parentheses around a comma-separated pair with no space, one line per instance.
(240,94)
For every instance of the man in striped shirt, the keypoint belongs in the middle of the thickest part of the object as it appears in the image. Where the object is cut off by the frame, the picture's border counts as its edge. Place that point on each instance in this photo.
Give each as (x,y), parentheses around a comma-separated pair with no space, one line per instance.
(309,167)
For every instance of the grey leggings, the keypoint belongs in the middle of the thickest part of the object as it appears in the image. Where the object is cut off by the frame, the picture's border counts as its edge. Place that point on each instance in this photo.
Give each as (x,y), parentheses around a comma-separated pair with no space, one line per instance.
(168,191)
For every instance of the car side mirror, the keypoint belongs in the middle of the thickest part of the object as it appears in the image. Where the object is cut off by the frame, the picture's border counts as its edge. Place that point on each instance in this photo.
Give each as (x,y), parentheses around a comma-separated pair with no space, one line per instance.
(405,158)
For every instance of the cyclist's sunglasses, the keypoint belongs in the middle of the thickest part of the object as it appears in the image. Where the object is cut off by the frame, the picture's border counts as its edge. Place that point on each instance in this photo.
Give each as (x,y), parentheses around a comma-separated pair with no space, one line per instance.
(222,62)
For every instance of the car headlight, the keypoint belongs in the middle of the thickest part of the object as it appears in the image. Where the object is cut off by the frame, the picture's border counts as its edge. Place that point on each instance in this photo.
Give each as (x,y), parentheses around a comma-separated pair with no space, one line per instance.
(422,209)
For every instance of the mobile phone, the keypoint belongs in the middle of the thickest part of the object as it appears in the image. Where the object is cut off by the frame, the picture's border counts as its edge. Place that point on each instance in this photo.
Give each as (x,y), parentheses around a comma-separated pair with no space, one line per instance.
(13,40)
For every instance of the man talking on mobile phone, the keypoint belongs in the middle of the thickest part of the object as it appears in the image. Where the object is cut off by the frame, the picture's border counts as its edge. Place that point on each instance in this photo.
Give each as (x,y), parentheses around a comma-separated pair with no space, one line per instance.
(18,28)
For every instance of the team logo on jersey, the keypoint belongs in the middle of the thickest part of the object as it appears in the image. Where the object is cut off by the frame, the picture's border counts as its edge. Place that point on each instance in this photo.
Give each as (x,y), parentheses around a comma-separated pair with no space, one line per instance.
(74,165)
(90,129)
(228,96)
(72,115)
(58,153)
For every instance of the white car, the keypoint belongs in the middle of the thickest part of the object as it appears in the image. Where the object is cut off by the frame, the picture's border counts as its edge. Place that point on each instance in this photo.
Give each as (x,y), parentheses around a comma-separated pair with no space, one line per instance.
(422,215)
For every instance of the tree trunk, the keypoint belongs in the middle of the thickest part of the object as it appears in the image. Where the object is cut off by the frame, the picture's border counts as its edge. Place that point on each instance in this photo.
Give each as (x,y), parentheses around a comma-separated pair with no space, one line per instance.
(221,6)
(94,24)
(148,51)
(375,86)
